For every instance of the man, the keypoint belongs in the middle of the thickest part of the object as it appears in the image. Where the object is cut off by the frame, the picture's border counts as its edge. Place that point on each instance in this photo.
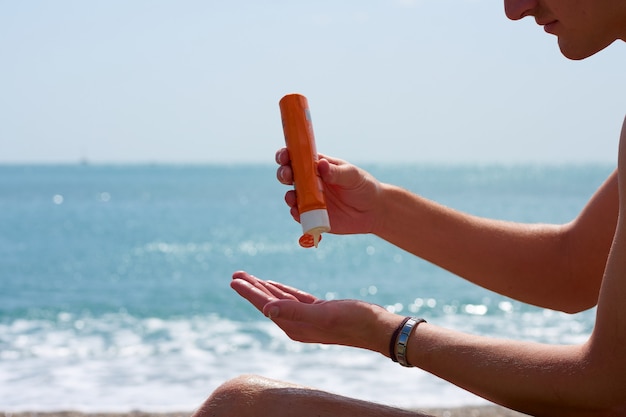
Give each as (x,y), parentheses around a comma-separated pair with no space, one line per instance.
(567,267)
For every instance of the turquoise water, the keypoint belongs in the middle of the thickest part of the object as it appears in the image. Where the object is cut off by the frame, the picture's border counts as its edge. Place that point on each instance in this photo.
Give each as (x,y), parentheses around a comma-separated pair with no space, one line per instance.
(114,281)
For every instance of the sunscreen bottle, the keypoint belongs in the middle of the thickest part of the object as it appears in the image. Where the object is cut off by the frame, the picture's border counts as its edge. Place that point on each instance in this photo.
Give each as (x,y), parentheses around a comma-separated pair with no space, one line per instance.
(298,130)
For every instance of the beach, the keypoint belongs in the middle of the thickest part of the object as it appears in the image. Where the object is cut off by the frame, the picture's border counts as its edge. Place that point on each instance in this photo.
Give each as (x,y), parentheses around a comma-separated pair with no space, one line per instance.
(469,411)
(473,411)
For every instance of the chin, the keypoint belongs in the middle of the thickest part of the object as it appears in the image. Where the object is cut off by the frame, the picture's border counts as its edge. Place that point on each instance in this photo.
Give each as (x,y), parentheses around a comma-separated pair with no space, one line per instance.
(576,53)
(575,56)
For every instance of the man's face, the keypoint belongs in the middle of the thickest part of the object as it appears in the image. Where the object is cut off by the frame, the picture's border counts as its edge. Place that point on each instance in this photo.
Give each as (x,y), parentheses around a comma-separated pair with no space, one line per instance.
(583,27)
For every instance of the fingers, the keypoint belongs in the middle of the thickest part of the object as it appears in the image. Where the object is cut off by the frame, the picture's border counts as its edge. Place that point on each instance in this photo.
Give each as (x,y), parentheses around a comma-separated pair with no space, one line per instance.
(282,156)
(292,202)
(259,293)
(291,199)
(252,280)
(277,292)
(297,294)
(284,173)
(256,296)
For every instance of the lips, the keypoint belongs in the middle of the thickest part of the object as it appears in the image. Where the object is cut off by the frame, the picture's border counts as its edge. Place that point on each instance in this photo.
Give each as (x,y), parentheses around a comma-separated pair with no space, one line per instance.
(549,26)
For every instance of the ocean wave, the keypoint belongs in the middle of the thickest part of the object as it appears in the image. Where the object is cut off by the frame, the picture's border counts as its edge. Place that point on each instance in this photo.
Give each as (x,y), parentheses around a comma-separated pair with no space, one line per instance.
(117,362)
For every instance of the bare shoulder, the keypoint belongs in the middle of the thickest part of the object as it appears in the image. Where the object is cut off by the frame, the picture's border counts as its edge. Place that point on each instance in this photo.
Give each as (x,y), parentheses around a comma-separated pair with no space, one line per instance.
(621,172)
(622,160)
(605,353)
(614,280)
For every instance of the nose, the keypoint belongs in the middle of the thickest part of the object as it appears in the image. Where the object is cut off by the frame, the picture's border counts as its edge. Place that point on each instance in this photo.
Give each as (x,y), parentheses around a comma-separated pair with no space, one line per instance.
(518,9)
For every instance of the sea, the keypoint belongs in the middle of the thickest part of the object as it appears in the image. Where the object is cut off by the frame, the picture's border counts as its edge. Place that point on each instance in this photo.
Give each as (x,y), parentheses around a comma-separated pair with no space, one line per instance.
(114,282)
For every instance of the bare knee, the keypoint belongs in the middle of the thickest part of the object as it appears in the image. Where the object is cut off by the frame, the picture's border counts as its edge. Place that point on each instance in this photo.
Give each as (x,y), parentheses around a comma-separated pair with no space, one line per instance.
(256,396)
(241,396)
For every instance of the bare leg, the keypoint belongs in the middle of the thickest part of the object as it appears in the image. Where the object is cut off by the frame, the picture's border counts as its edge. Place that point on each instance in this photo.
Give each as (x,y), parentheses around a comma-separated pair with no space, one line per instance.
(254,396)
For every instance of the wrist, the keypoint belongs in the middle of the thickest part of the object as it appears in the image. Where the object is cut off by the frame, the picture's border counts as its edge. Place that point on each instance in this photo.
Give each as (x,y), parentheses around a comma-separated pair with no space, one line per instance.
(376,335)
(399,343)
(383,210)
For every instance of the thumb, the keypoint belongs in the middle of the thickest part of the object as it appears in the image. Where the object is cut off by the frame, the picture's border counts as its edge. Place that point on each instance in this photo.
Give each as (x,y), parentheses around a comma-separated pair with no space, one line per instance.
(340,173)
(289,310)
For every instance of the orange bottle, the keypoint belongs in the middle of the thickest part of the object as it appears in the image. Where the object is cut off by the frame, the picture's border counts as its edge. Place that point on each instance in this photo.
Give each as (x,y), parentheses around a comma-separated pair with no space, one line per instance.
(300,141)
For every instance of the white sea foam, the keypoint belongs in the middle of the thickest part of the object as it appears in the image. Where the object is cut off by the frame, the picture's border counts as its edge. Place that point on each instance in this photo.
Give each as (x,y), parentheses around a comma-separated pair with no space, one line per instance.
(119,363)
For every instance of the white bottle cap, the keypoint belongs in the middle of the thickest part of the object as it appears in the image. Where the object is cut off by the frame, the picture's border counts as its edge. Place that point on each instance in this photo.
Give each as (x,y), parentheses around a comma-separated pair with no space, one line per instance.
(314,223)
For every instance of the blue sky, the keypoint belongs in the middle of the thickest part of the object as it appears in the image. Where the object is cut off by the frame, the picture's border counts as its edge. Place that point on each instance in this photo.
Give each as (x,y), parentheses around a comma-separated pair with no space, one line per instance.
(440,81)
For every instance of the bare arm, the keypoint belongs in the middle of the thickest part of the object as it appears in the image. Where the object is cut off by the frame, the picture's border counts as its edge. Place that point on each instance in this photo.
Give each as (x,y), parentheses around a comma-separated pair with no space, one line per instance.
(543,380)
(537,379)
(589,379)
(528,262)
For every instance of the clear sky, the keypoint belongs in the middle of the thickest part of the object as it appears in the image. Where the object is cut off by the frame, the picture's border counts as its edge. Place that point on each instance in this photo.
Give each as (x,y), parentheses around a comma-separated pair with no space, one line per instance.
(439,81)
